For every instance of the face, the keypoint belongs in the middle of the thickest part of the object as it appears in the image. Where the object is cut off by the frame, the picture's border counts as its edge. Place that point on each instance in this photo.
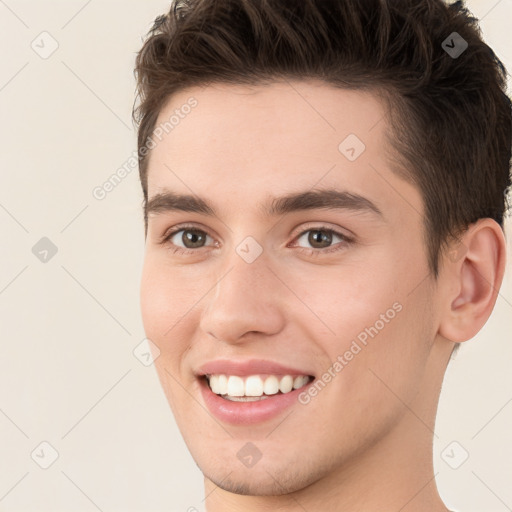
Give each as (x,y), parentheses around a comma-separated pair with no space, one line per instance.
(327,290)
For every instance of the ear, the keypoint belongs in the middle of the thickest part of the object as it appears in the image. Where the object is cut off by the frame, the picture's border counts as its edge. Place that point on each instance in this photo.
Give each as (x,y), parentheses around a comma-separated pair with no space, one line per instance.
(474,268)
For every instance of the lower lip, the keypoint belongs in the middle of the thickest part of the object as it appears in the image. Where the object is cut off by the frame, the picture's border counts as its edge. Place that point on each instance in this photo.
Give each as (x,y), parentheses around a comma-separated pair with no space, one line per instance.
(247,413)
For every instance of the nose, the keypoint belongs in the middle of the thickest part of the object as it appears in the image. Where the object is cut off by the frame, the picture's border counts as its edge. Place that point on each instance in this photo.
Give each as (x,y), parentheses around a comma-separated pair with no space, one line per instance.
(247,299)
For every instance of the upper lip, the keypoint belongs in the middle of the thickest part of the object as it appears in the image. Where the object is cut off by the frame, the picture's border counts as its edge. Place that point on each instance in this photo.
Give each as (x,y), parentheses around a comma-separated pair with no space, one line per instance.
(248,367)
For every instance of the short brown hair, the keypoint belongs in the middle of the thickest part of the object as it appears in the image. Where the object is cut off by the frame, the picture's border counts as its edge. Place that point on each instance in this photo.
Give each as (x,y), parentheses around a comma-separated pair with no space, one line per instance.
(451,115)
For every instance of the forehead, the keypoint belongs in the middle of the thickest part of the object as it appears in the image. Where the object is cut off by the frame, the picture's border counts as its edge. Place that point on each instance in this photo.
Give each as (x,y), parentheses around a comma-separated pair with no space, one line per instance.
(240,143)
(308,114)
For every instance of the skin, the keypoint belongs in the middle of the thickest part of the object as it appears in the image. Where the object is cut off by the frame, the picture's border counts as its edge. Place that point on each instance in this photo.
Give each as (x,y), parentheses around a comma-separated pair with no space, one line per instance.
(365,441)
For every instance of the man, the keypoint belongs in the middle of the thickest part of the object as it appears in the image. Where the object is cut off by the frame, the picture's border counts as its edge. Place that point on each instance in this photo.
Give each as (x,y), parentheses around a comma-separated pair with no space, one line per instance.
(324,191)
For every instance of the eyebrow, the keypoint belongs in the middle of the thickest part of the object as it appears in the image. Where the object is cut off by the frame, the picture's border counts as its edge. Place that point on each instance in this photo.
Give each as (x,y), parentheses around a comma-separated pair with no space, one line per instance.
(325,199)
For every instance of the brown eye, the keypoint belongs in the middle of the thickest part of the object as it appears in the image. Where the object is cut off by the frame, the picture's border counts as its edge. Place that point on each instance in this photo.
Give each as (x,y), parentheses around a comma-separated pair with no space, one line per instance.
(317,238)
(320,238)
(193,238)
(187,238)
(322,241)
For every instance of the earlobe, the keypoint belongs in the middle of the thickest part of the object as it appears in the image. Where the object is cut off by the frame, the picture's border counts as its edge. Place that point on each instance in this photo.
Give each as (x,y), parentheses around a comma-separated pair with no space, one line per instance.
(474,280)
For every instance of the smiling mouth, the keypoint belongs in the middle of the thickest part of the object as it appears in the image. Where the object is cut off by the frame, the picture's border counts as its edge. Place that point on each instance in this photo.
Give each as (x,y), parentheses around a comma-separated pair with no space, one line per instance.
(252,388)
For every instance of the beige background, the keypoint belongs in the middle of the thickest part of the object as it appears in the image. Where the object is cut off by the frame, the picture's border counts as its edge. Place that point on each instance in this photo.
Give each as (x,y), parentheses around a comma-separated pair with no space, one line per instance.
(68,375)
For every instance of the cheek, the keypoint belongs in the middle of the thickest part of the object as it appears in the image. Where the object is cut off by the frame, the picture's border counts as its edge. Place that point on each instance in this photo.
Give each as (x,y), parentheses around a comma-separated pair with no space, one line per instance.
(164,303)
(165,296)
(377,328)
(348,301)
(154,308)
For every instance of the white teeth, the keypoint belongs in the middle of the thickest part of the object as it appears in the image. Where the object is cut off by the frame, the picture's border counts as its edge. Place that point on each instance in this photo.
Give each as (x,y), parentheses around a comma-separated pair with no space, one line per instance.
(222,385)
(300,381)
(214,383)
(286,384)
(271,385)
(254,387)
(236,386)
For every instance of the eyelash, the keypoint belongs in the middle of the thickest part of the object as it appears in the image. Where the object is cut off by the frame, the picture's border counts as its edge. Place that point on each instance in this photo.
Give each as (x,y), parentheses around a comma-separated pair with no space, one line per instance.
(346,241)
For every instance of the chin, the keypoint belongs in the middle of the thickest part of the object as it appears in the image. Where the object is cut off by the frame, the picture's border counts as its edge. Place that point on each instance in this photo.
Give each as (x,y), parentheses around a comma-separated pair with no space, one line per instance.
(262,479)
